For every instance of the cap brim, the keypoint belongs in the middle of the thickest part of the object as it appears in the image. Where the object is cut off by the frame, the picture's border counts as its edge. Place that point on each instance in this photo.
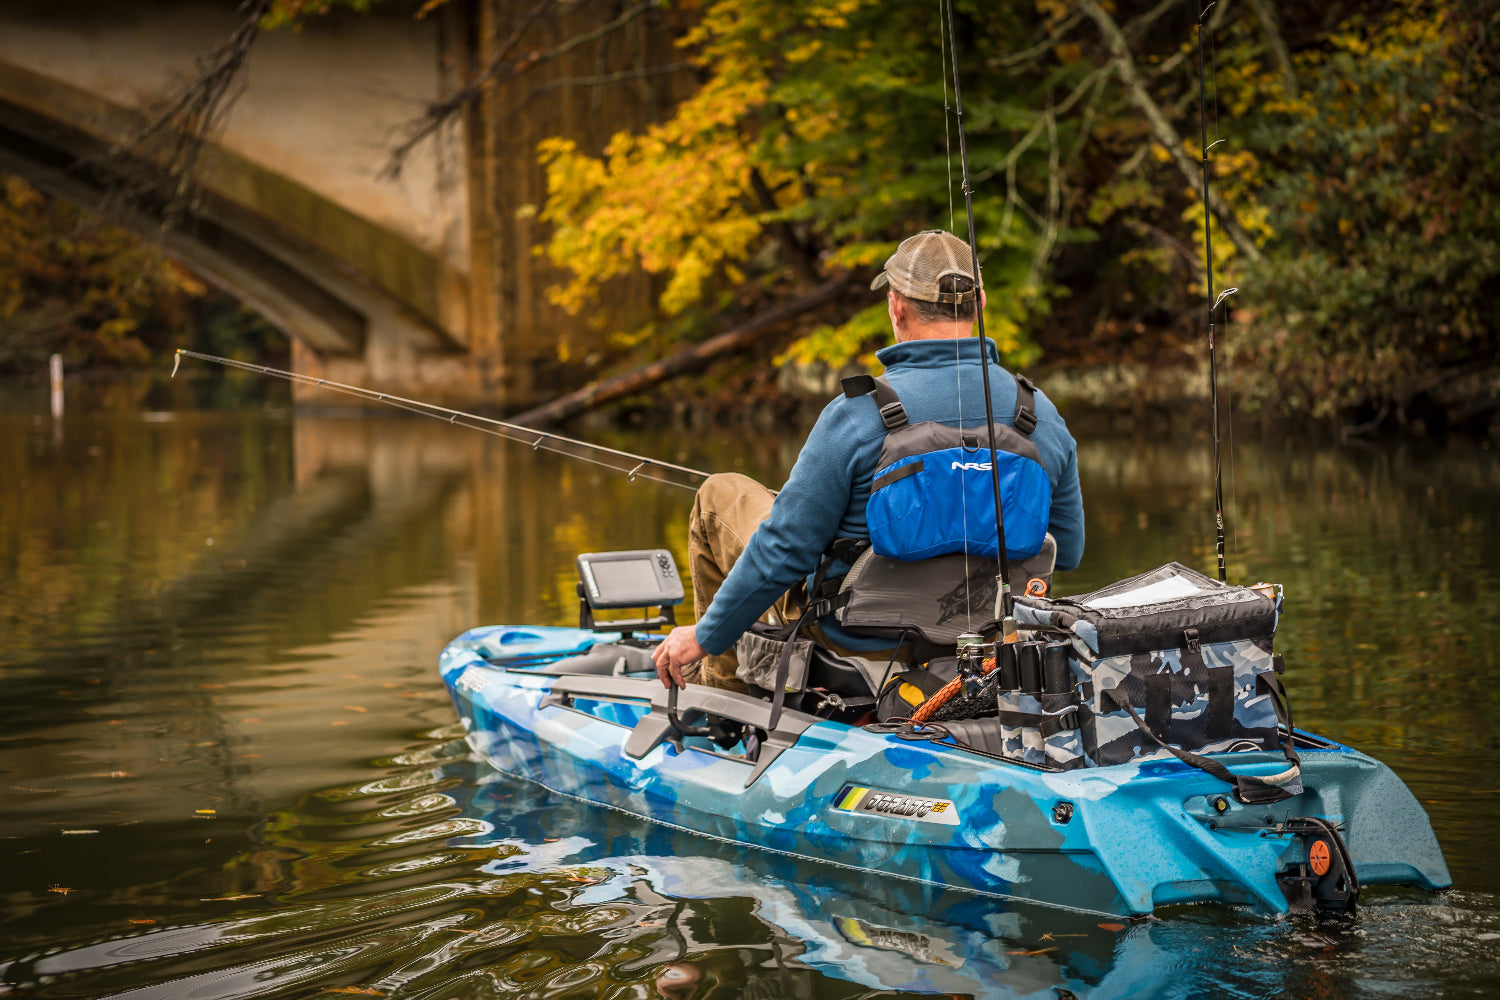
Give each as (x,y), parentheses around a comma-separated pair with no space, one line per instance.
(881,280)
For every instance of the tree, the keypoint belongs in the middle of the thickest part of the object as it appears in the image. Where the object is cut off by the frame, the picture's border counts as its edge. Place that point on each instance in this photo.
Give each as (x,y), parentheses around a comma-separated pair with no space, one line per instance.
(819,137)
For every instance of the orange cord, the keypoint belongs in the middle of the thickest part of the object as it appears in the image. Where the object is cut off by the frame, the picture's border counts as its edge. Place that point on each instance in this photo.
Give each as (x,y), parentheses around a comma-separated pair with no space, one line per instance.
(945,694)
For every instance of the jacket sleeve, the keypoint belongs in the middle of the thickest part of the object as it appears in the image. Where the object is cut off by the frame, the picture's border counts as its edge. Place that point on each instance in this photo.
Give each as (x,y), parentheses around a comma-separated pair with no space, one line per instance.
(1066,519)
(804,519)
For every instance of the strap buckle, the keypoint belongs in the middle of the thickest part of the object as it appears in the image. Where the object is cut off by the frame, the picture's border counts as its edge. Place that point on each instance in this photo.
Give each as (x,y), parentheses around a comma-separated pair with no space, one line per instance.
(893,415)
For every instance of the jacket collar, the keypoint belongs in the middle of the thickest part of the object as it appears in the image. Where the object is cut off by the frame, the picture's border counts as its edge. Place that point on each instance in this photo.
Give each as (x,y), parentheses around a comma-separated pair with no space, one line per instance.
(935,353)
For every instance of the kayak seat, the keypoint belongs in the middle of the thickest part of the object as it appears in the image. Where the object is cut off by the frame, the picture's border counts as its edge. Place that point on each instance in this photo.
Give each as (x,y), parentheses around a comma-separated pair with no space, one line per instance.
(837,675)
(606,658)
(927,603)
(983,735)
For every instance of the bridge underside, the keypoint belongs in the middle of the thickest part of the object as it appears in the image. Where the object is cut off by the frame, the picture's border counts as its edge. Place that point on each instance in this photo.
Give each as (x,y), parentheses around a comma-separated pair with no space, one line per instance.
(344,321)
(422,285)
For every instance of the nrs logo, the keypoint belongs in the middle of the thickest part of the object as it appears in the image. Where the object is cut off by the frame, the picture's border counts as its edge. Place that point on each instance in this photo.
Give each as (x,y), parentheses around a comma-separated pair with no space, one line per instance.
(972,466)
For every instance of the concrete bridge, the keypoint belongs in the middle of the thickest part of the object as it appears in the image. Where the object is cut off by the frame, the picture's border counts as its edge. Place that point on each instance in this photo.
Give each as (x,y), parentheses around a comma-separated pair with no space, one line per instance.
(421,284)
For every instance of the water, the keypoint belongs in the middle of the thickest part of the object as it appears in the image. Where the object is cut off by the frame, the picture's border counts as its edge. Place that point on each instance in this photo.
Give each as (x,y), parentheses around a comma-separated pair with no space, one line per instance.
(228,769)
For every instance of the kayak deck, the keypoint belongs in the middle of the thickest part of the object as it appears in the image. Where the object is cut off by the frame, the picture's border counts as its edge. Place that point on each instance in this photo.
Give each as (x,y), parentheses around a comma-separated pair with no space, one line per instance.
(1120,840)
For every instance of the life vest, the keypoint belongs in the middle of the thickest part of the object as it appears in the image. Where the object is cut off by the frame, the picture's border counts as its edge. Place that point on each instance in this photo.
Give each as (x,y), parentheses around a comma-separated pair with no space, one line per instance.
(932,493)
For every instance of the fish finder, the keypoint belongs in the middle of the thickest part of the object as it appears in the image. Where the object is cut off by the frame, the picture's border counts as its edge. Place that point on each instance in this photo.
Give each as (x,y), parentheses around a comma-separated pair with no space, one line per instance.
(639,578)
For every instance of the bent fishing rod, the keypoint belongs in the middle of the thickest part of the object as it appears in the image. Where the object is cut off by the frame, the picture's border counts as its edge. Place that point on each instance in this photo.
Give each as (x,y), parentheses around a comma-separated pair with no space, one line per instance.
(1004,600)
(632,465)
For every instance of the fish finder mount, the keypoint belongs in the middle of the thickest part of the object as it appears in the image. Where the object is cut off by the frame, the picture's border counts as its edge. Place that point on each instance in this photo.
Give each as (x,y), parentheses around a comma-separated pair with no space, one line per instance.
(638,578)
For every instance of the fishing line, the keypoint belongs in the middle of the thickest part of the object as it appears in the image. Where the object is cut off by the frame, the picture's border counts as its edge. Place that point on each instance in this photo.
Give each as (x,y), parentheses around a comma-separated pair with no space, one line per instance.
(1213,303)
(633,466)
(1003,599)
(945,48)
(1234,501)
(944,44)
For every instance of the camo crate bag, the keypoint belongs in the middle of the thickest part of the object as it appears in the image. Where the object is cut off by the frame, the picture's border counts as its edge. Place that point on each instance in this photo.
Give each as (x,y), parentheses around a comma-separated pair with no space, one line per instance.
(1190,655)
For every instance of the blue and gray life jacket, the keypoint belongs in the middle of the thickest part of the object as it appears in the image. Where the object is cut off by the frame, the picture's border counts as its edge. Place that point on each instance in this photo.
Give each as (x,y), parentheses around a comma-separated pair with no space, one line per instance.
(933,494)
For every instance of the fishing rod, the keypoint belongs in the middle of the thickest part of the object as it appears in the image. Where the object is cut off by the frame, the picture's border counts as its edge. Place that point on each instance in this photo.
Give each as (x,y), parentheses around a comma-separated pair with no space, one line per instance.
(1213,303)
(633,466)
(1004,602)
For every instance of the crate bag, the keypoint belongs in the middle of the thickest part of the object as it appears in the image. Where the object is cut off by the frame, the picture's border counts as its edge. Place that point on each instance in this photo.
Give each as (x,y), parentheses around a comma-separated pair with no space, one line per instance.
(1171,661)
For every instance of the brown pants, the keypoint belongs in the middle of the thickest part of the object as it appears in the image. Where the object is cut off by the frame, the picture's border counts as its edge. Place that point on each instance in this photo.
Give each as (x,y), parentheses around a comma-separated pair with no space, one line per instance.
(726,512)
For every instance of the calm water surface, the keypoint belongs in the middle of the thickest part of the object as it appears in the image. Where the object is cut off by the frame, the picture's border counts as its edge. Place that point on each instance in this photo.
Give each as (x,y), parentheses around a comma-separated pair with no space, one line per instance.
(228,768)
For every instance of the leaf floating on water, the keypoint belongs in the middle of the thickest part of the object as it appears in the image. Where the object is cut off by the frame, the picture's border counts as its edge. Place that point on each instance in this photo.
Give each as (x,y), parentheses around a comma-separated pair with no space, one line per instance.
(72,833)
(60,889)
(1113,927)
(142,920)
(206,812)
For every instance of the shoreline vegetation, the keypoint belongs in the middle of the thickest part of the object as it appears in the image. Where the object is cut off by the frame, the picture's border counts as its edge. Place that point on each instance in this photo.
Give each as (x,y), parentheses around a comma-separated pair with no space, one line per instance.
(1354,198)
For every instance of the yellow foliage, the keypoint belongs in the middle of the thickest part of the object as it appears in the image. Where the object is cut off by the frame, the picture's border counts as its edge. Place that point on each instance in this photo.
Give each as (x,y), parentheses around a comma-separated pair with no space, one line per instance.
(671,201)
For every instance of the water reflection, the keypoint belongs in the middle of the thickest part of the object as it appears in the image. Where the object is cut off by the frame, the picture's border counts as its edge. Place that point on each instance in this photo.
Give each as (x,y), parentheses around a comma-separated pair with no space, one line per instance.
(227,767)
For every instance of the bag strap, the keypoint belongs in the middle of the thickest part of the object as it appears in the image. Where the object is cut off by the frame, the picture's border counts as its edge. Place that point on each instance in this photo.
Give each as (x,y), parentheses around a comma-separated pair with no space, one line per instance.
(1248,788)
(817,609)
(1025,419)
(892,413)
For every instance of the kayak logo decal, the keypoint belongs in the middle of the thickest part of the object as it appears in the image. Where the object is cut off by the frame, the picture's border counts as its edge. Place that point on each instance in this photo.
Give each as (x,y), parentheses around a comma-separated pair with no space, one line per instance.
(472,680)
(872,802)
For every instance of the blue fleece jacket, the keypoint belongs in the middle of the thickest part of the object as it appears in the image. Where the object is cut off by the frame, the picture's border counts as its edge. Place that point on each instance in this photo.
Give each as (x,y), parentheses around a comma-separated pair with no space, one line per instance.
(824,498)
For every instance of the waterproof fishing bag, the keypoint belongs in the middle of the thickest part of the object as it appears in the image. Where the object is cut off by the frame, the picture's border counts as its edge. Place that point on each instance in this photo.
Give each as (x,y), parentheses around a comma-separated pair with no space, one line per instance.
(1167,657)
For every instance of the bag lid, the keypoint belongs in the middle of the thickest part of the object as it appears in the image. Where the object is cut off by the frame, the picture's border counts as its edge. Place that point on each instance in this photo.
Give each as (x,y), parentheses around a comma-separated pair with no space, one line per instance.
(1155,610)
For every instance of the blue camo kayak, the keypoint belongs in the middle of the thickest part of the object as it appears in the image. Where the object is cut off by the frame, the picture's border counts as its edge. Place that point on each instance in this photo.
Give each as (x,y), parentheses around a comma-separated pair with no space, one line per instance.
(578,712)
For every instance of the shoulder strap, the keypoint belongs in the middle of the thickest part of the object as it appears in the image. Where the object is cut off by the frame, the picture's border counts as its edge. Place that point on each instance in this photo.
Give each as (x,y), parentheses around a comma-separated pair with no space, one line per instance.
(892,413)
(1025,421)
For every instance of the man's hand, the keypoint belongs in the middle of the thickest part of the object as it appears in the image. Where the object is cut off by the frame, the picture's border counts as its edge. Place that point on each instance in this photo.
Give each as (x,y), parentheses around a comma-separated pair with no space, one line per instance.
(676,651)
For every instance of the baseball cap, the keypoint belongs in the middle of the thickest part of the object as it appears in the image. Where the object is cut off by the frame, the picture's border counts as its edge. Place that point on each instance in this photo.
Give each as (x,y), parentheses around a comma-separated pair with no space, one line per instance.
(920,260)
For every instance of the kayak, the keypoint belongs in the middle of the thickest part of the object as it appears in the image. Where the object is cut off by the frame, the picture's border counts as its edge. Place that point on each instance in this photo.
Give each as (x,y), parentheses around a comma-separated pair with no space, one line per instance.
(580,712)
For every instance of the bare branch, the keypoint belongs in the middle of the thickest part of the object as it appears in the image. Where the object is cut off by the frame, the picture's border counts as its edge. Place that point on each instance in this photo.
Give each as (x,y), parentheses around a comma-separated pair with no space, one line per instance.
(497,71)
(689,359)
(1165,134)
(622,76)
(160,161)
(1215,20)
(1270,24)
(1015,59)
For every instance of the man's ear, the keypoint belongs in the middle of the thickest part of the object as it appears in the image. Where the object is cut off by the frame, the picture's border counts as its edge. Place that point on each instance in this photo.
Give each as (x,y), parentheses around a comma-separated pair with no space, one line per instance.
(897,308)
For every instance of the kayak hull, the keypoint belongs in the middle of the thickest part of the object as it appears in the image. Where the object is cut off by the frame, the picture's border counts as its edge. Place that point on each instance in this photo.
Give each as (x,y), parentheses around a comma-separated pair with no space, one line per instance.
(1120,840)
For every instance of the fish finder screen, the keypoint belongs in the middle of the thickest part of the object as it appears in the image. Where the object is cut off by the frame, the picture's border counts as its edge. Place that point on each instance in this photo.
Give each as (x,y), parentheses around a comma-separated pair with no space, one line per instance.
(623,579)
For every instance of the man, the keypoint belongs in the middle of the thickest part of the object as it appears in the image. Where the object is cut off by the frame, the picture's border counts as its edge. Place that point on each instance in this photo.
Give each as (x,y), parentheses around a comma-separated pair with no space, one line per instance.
(747,548)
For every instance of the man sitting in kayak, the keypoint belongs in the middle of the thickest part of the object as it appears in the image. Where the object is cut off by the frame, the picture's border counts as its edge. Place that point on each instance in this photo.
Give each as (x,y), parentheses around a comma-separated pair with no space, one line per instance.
(749,548)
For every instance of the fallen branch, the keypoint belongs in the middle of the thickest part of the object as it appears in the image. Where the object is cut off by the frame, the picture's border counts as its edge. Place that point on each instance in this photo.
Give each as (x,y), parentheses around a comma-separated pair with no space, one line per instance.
(597,393)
